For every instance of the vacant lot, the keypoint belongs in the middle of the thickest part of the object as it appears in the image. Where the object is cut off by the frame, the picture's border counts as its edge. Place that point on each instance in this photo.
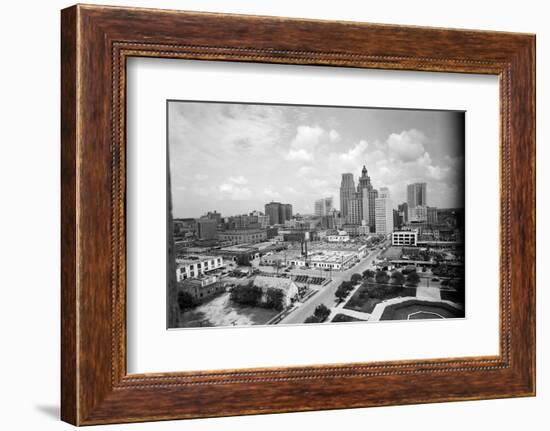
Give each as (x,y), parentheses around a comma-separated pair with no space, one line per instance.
(221,311)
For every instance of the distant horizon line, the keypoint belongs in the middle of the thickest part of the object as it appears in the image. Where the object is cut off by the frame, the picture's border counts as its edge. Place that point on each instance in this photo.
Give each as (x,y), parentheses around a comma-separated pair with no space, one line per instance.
(298,213)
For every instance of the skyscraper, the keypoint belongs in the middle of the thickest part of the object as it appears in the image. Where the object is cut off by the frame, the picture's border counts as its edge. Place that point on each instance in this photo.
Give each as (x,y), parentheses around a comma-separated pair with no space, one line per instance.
(371,206)
(347,192)
(384,212)
(278,213)
(404,211)
(354,210)
(285,212)
(272,211)
(416,197)
(364,186)
(323,206)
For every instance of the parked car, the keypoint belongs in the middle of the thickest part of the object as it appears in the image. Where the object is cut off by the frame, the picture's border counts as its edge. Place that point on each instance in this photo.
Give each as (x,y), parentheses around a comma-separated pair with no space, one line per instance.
(435,279)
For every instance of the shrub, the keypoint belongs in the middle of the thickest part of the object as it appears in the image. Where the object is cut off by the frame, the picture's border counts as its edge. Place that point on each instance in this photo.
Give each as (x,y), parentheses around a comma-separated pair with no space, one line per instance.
(397,278)
(312,319)
(321,312)
(413,278)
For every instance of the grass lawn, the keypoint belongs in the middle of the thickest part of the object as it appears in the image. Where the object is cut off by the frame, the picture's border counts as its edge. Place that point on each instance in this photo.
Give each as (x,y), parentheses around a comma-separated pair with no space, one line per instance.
(361,301)
(416,309)
(345,318)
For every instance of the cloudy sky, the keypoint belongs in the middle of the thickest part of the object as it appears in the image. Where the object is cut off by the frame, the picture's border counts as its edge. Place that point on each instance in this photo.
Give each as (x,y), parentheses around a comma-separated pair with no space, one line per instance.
(234,158)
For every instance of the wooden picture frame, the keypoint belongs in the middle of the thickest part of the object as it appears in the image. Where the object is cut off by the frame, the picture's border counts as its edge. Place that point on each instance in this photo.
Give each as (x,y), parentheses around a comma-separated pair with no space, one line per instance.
(95,43)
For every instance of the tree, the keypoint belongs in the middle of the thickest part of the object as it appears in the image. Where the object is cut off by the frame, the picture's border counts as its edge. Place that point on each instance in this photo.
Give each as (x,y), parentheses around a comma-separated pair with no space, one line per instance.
(356,278)
(185,301)
(342,292)
(312,319)
(246,294)
(382,277)
(413,279)
(274,299)
(398,278)
(321,312)
(369,273)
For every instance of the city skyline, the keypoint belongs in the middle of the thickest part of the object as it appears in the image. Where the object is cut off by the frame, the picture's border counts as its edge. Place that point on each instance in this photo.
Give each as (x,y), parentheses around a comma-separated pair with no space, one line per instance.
(298,155)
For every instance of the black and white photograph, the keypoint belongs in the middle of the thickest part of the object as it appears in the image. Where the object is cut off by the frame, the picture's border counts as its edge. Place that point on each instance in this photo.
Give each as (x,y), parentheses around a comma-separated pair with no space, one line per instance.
(299,214)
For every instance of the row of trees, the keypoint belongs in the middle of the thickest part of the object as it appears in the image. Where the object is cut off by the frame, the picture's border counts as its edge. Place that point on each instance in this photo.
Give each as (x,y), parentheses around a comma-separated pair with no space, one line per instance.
(320,314)
(399,278)
(251,295)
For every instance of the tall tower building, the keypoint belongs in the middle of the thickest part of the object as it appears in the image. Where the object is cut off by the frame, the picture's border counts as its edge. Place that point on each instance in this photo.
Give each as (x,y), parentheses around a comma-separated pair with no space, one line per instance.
(371,207)
(347,192)
(384,212)
(416,197)
(272,211)
(323,207)
(364,186)
(354,210)
(278,213)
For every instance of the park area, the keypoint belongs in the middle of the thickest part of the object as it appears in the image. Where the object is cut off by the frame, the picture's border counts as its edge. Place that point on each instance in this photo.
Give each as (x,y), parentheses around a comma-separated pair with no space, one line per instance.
(369,294)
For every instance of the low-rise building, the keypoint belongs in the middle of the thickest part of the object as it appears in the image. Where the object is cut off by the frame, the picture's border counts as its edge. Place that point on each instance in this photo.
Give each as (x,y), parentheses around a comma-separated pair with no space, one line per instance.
(341,236)
(244,236)
(195,266)
(333,260)
(286,285)
(202,288)
(404,238)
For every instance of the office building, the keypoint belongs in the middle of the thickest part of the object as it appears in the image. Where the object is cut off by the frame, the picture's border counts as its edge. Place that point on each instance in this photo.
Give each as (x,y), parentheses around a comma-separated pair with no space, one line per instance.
(207,229)
(323,206)
(354,210)
(384,212)
(244,236)
(347,192)
(278,213)
(431,215)
(416,197)
(404,238)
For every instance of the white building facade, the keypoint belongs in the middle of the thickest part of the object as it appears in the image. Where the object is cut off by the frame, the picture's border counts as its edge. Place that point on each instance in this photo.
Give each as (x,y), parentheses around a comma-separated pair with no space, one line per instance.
(404,238)
(196,266)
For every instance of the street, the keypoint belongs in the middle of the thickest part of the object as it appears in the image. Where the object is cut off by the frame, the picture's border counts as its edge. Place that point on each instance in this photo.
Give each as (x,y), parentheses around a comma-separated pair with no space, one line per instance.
(326,294)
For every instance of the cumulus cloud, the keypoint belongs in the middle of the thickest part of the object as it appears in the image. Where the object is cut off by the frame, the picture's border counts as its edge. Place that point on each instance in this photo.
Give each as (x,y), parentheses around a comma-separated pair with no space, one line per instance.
(407,145)
(307,137)
(235,158)
(234,192)
(355,153)
(298,155)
